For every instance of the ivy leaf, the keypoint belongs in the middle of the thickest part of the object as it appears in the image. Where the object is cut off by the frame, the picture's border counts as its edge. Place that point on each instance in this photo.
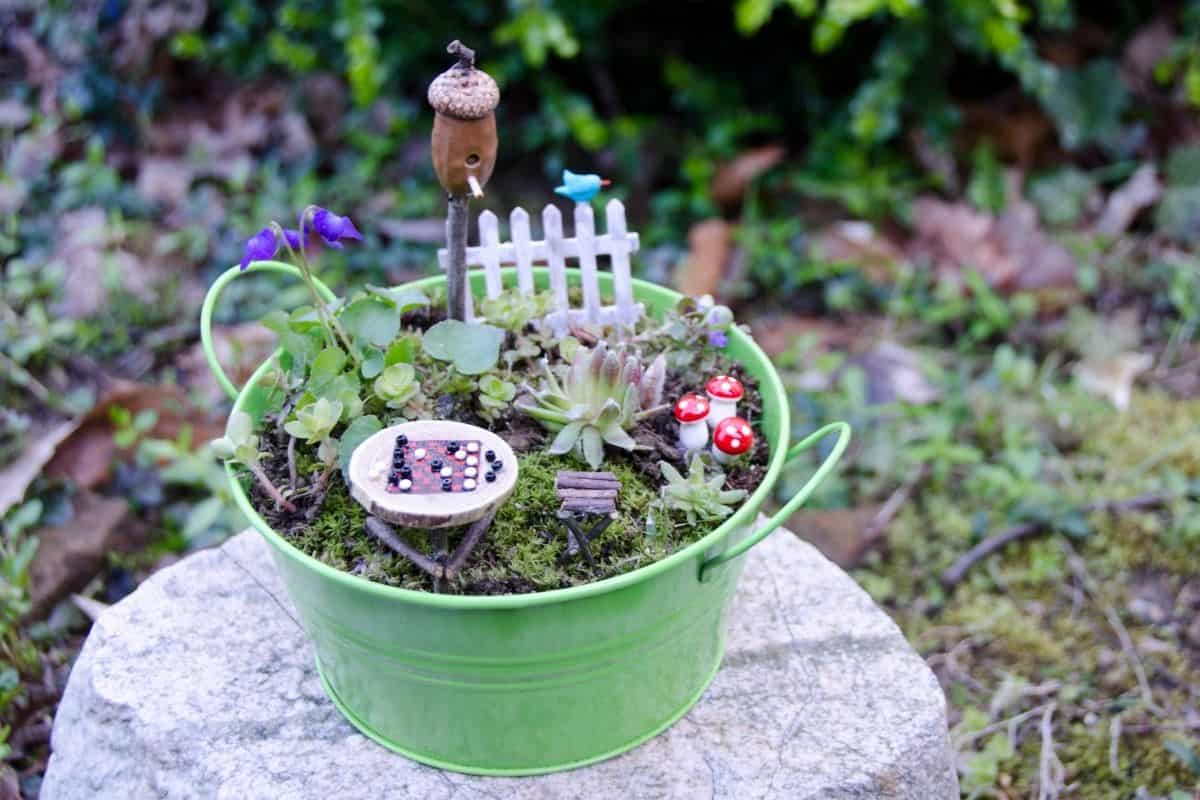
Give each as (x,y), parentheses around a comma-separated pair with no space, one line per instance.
(355,434)
(1086,104)
(371,321)
(473,348)
(403,299)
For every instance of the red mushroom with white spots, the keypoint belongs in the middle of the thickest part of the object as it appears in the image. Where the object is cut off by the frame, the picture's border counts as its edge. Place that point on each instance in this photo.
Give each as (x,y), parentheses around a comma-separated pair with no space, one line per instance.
(723,395)
(732,438)
(691,411)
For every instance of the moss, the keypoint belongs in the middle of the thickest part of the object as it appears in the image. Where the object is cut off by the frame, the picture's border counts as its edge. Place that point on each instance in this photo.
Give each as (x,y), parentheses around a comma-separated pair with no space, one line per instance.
(524,549)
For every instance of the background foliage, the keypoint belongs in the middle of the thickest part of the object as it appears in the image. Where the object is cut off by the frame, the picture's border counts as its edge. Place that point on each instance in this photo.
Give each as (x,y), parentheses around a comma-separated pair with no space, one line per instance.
(969,226)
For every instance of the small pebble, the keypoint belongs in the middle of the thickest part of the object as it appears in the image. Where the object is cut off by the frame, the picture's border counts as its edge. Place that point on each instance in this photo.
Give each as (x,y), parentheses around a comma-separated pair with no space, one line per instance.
(472,461)
(419,454)
(405,484)
(468,484)
(401,440)
(490,455)
(446,485)
(447,472)
(470,472)
(406,472)
(490,477)
(472,447)
(377,470)
(436,464)
(460,455)
(497,465)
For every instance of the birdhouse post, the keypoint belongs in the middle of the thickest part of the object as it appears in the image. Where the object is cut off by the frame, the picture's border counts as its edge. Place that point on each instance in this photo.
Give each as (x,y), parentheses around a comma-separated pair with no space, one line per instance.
(464,143)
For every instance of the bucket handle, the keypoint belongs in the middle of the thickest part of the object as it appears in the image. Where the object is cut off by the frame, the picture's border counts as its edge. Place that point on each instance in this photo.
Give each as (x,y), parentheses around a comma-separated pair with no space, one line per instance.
(210,303)
(793,505)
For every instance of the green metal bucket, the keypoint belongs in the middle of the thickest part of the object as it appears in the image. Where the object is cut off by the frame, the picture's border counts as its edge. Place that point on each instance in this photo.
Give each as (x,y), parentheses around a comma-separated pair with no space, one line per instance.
(532,683)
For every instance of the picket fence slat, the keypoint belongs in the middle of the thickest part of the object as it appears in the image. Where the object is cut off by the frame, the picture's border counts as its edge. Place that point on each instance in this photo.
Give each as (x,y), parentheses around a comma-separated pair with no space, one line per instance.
(555,251)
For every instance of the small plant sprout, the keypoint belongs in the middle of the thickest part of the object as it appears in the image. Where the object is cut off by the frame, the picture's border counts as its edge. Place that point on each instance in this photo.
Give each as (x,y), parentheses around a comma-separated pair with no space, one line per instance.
(604,395)
(397,384)
(732,438)
(701,499)
(691,411)
(240,445)
(314,424)
(723,393)
(495,395)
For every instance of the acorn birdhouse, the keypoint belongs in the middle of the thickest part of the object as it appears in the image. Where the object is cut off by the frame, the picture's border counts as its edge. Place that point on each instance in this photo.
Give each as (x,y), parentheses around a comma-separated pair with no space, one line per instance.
(464,127)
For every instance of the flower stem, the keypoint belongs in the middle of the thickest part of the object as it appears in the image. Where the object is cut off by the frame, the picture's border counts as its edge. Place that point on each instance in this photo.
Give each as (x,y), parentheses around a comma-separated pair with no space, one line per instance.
(268,487)
(306,274)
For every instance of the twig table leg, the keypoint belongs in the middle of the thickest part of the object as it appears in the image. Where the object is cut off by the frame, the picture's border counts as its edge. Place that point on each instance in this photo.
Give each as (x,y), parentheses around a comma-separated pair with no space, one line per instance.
(384,533)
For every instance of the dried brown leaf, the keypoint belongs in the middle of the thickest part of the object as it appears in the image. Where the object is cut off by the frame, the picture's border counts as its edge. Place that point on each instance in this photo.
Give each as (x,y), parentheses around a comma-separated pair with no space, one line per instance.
(731,179)
(710,243)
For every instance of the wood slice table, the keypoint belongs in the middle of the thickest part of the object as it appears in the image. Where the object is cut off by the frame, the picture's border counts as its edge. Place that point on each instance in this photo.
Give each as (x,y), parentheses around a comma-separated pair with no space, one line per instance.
(432,473)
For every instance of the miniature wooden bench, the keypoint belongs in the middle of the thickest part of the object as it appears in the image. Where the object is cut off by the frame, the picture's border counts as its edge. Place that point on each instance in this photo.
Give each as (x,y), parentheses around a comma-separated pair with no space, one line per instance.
(585,494)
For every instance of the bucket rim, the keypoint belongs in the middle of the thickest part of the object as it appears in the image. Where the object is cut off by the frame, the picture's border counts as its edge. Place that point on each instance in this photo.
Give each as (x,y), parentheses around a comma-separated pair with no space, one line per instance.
(660,296)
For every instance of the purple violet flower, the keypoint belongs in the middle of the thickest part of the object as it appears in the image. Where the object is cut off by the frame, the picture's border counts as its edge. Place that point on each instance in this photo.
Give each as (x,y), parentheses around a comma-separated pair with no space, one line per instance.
(330,227)
(260,247)
(718,339)
(293,238)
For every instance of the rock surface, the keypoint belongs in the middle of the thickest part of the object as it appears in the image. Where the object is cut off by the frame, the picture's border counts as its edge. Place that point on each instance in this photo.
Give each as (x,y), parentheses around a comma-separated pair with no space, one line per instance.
(201,684)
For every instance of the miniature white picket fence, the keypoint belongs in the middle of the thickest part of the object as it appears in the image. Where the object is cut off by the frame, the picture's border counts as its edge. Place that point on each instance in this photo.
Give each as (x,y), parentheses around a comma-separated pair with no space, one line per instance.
(554,251)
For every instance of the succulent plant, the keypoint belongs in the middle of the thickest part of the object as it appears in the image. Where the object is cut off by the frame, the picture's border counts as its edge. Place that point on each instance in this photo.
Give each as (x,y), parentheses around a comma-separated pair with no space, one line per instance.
(602,396)
(701,499)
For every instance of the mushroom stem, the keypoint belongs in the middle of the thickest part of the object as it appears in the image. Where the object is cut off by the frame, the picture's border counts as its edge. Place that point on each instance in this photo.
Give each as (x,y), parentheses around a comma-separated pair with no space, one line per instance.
(476,189)
(693,435)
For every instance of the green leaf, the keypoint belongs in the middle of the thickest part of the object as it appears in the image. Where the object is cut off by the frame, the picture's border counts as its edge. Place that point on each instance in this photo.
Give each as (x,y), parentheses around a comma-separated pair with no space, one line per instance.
(373,364)
(371,321)
(356,433)
(750,15)
(325,367)
(1183,751)
(593,447)
(402,298)
(473,348)
(1061,196)
(402,351)
(1087,103)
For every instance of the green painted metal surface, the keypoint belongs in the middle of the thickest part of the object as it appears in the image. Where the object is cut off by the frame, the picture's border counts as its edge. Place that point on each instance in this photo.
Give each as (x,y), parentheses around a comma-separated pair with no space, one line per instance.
(524,684)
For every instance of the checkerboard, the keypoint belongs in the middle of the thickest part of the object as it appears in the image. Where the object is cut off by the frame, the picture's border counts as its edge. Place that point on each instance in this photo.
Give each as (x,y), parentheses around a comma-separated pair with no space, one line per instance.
(422,462)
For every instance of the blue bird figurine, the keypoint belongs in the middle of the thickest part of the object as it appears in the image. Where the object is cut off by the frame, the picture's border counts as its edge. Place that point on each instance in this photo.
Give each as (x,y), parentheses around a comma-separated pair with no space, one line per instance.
(580,188)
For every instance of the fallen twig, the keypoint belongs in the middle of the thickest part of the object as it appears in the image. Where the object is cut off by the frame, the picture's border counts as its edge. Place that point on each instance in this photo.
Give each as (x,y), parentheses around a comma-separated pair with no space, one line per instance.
(1051,772)
(1114,620)
(877,527)
(953,575)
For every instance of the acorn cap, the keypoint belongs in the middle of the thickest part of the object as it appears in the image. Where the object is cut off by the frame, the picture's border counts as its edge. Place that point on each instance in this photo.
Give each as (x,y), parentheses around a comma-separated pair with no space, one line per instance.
(733,436)
(464,92)
(724,387)
(691,408)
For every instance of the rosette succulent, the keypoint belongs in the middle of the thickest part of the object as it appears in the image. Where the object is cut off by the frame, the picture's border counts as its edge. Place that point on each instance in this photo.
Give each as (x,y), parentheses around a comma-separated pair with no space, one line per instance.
(701,499)
(602,396)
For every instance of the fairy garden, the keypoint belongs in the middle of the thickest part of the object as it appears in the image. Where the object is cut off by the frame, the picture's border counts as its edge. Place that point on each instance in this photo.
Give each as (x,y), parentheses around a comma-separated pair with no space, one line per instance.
(548,432)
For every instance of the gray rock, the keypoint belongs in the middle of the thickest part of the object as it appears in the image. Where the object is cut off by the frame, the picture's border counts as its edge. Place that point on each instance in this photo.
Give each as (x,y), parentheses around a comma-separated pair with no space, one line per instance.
(201,684)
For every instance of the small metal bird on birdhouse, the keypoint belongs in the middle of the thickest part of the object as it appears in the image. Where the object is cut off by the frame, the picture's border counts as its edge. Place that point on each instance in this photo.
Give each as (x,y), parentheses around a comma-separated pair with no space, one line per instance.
(580,188)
